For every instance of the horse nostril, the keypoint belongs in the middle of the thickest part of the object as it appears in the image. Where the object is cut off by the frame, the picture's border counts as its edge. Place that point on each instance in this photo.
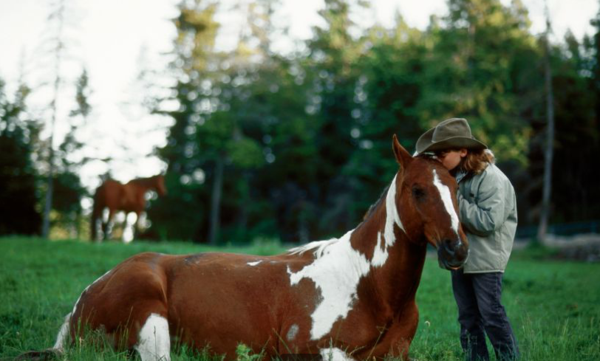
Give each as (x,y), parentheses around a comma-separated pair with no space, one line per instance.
(447,244)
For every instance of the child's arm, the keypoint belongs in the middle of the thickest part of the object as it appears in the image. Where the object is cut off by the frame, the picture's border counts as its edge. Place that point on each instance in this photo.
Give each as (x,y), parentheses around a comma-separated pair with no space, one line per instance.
(487,213)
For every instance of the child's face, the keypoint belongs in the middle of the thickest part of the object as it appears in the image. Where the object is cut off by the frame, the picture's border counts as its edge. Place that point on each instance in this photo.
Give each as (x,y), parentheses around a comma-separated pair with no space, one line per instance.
(451,158)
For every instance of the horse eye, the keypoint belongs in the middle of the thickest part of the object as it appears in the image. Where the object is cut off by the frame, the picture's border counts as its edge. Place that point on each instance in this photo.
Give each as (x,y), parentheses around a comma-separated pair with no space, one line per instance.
(418,193)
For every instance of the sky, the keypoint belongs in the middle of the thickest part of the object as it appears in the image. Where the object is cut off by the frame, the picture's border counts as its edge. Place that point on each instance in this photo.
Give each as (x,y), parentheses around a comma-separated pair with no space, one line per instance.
(114,39)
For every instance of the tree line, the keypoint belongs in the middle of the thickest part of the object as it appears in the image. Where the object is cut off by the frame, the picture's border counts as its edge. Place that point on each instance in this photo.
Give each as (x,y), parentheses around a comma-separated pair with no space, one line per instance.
(298,146)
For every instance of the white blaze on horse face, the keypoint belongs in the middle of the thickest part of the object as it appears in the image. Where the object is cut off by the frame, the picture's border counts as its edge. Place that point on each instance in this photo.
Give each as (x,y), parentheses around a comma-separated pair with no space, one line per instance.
(447,199)
(154,341)
(380,254)
(61,339)
(334,354)
(336,272)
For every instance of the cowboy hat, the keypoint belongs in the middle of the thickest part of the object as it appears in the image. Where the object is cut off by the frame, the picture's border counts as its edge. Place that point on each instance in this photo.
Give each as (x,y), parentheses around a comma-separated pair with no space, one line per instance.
(453,133)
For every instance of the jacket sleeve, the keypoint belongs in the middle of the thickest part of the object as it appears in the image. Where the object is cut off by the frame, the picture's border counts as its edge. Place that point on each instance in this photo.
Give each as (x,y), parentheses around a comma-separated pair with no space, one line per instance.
(487,213)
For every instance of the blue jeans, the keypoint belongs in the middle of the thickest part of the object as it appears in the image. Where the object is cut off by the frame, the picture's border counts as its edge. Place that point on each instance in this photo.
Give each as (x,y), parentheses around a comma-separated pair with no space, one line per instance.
(479,313)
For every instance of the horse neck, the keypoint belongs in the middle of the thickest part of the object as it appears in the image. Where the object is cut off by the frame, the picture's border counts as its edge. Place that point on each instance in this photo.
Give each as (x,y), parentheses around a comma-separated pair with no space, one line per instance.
(397,262)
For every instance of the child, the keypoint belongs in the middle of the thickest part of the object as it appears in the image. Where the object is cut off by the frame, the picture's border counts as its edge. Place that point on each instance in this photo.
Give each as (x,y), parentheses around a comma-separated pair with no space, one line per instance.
(488,212)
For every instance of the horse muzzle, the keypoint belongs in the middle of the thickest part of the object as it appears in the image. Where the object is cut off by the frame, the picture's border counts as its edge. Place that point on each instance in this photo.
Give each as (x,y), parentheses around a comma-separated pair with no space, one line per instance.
(452,254)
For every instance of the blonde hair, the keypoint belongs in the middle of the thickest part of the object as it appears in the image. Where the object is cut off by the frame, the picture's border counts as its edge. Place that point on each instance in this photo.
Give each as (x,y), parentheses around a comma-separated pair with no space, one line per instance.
(477,160)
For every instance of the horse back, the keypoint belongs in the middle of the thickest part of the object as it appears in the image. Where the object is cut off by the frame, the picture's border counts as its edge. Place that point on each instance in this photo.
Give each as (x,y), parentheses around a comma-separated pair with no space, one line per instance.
(244,297)
(108,195)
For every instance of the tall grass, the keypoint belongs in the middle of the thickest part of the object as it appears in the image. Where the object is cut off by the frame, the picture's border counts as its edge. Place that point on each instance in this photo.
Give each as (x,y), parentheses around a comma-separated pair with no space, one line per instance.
(554,306)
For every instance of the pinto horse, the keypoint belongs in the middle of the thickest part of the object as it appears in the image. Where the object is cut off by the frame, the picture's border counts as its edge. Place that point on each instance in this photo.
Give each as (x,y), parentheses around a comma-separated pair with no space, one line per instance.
(346,298)
(113,196)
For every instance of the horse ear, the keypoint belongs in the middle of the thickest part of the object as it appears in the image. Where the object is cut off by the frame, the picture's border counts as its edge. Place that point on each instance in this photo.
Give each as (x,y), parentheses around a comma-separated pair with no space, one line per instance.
(402,156)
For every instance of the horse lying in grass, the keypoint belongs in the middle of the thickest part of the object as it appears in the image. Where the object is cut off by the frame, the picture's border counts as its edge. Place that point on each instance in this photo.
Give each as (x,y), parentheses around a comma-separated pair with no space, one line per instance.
(346,298)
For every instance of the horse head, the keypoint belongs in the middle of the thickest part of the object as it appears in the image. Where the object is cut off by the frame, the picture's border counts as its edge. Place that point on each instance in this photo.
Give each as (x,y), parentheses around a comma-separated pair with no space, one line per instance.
(428,207)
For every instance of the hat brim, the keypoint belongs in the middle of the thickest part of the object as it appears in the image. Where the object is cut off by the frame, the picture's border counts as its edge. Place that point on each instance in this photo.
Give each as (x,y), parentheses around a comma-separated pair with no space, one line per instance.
(425,143)
(455,143)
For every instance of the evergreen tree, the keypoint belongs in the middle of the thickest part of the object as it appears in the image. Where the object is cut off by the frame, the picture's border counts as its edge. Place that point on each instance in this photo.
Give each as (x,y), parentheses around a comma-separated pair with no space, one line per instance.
(272,110)
(577,136)
(388,95)
(67,183)
(476,70)
(333,53)
(57,21)
(19,214)
(182,214)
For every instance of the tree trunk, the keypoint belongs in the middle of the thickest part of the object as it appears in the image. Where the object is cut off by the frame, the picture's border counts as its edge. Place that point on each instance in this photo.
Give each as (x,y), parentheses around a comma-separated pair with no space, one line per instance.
(549,151)
(215,205)
(245,200)
(59,16)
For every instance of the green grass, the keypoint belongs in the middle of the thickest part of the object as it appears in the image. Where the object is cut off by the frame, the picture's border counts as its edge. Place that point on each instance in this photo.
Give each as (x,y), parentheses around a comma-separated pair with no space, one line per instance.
(554,306)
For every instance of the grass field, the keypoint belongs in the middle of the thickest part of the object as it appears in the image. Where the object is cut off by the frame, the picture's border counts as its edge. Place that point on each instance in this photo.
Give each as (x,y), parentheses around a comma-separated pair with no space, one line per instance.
(554,306)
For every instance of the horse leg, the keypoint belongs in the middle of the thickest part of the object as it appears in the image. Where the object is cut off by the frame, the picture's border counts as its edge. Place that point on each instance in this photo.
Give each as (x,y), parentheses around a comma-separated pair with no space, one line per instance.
(141,224)
(154,343)
(129,229)
(94,231)
(63,335)
(405,332)
(96,228)
(108,215)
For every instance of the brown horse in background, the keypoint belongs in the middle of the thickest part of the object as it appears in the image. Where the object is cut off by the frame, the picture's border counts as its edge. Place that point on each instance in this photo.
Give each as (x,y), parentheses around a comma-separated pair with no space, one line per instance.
(113,196)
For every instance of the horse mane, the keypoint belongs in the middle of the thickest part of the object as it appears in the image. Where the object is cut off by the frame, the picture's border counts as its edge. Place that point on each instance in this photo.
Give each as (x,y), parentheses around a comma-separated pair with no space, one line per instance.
(374,206)
(427,156)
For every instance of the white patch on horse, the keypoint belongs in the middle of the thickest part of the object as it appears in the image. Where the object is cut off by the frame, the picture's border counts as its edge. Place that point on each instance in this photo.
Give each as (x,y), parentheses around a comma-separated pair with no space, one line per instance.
(99,231)
(320,245)
(293,331)
(154,341)
(336,271)
(380,253)
(128,232)
(447,199)
(143,223)
(252,264)
(109,229)
(105,215)
(334,354)
(61,339)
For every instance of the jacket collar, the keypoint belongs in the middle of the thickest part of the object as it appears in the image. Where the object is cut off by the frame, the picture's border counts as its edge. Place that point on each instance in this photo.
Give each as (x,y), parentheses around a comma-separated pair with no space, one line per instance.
(460,175)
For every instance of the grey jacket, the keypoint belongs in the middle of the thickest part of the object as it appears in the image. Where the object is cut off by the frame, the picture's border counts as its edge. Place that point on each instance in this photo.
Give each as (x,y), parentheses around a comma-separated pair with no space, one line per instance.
(488,211)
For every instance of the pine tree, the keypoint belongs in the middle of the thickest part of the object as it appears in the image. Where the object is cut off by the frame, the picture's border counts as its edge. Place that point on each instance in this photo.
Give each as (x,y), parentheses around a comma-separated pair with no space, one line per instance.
(181,215)
(18,195)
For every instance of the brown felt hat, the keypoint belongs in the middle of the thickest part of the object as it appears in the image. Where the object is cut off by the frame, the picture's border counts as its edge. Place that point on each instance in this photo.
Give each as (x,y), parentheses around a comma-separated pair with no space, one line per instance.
(452,133)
